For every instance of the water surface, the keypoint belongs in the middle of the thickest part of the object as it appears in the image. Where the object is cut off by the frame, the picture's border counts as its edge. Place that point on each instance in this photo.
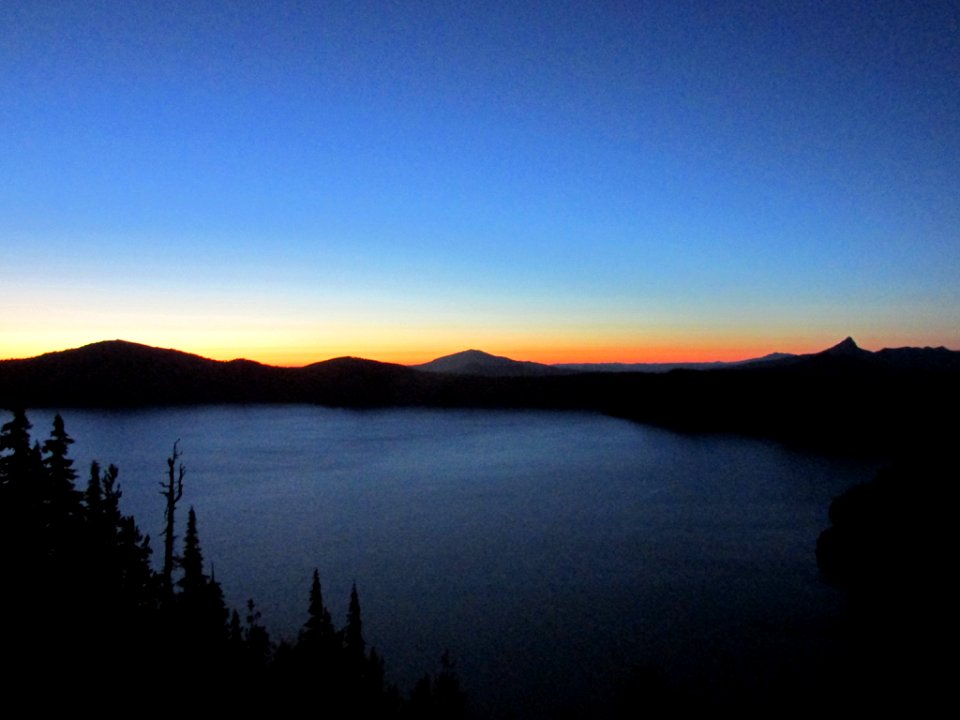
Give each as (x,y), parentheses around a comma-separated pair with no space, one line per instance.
(550,553)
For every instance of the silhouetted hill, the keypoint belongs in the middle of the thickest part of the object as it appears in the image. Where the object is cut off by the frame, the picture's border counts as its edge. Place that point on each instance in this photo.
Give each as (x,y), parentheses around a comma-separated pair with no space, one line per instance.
(890,545)
(350,381)
(844,397)
(477,362)
(114,373)
(846,348)
(926,358)
(667,367)
(119,373)
(848,355)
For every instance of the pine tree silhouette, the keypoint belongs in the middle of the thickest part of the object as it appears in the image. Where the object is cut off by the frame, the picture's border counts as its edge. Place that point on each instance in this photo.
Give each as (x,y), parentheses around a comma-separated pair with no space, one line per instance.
(200,599)
(353,643)
(318,630)
(84,605)
(193,581)
(15,442)
(22,478)
(60,500)
(59,466)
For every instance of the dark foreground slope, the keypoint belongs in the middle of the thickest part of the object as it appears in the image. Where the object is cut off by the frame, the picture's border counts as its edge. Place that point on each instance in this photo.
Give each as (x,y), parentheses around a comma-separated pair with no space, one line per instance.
(84,608)
(844,397)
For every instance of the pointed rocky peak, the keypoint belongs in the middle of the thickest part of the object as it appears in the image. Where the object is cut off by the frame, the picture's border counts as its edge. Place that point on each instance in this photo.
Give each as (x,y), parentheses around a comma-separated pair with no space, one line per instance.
(846,345)
(847,348)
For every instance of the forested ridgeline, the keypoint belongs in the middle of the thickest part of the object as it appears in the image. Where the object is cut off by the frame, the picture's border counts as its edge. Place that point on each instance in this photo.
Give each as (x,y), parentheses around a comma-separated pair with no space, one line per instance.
(844,398)
(88,616)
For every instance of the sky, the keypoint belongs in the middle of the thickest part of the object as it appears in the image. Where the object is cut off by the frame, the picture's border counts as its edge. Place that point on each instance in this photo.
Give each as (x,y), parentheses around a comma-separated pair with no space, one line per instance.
(552,181)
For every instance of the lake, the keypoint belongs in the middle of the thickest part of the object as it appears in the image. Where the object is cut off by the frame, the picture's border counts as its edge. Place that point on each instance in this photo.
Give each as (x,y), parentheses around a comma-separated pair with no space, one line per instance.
(551,553)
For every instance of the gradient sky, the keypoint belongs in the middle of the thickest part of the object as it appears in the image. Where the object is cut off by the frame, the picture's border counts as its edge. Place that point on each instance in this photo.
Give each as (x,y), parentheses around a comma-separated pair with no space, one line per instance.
(553,181)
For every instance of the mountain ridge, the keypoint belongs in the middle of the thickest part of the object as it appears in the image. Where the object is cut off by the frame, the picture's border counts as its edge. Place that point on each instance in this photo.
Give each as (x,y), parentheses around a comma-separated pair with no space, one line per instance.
(473,358)
(480,363)
(886,395)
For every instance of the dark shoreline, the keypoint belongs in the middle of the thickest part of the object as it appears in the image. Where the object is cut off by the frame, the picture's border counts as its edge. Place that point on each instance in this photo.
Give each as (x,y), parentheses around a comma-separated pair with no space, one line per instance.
(842,400)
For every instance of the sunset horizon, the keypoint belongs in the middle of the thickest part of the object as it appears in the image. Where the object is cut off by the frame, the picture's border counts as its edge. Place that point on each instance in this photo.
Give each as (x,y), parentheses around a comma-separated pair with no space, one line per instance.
(678,353)
(603,350)
(579,183)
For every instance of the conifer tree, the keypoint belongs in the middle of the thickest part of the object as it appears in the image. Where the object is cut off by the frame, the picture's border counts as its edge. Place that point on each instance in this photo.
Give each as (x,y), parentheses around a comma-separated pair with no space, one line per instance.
(317,654)
(99,537)
(21,479)
(22,541)
(235,629)
(15,446)
(318,631)
(139,584)
(449,698)
(61,501)
(200,599)
(118,552)
(59,466)
(353,642)
(441,697)
(99,501)
(19,474)
(193,581)
(111,496)
(257,638)
(93,496)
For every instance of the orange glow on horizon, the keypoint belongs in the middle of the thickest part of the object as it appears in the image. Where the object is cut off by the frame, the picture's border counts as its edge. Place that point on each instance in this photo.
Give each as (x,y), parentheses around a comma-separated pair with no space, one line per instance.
(300,357)
(542,350)
(549,355)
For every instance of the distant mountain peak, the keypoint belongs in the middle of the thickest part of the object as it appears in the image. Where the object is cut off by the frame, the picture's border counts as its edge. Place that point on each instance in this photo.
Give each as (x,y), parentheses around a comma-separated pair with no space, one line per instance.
(474,353)
(478,362)
(848,346)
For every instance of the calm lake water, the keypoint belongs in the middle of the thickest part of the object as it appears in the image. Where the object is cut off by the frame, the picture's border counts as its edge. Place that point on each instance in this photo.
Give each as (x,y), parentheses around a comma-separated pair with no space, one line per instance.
(550,553)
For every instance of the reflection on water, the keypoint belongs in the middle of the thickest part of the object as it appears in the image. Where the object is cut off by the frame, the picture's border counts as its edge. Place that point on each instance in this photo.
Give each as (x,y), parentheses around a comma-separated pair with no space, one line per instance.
(551,553)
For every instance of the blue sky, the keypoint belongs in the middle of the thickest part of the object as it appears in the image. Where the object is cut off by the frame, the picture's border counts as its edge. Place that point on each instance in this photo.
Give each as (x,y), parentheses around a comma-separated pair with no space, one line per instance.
(559,181)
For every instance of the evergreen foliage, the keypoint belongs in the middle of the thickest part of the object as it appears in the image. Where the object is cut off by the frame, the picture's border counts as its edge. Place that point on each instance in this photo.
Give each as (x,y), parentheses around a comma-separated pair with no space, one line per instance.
(21,485)
(193,580)
(353,642)
(15,442)
(83,604)
(59,467)
(319,627)
(318,642)
(258,646)
(441,697)
(200,611)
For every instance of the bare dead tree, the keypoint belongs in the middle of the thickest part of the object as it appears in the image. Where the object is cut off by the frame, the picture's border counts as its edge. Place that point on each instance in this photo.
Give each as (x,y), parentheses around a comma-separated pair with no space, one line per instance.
(172,491)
